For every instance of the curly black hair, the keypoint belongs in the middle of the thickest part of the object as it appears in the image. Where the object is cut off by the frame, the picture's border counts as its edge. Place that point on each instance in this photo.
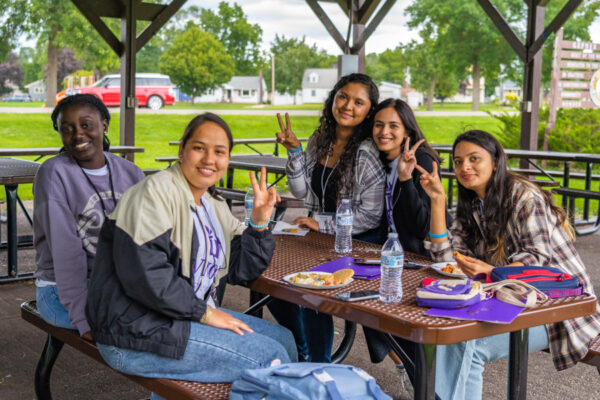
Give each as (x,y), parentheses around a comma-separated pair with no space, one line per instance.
(88,99)
(325,135)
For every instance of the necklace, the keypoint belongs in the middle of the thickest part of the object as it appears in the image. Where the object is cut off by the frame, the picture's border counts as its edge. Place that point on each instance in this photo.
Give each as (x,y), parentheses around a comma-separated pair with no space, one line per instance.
(324,185)
(112,189)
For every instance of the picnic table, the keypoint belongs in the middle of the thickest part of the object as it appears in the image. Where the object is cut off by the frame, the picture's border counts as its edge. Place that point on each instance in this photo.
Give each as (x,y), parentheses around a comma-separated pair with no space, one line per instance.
(14,171)
(406,319)
(50,151)
(249,142)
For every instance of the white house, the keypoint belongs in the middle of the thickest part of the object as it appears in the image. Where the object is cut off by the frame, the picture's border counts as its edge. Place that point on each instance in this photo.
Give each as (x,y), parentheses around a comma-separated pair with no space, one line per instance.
(37,90)
(317,83)
(389,90)
(240,89)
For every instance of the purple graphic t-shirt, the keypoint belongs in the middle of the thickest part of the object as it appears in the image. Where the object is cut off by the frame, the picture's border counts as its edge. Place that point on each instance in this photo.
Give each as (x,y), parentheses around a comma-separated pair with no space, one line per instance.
(211,254)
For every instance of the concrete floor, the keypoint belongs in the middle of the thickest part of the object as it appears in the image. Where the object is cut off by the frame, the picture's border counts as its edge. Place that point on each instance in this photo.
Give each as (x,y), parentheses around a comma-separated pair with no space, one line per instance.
(76,376)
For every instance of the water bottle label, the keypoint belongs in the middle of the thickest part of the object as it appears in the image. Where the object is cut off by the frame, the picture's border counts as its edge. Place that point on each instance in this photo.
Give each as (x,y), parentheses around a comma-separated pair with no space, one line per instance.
(392,261)
(345,219)
(248,204)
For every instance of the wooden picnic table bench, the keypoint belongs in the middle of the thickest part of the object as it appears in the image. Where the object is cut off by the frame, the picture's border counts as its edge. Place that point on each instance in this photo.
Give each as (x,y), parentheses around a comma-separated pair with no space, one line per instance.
(57,337)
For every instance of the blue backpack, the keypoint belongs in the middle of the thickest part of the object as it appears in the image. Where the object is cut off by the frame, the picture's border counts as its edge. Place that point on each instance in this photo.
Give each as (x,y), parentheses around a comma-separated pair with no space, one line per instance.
(307,381)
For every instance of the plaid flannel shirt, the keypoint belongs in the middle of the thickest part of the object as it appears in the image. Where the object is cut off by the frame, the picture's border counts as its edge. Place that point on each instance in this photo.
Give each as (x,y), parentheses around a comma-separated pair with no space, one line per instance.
(367,188)
(535,236)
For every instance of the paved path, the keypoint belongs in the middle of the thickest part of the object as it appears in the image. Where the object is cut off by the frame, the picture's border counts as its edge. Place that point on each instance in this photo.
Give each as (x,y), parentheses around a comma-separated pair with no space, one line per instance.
(168,110)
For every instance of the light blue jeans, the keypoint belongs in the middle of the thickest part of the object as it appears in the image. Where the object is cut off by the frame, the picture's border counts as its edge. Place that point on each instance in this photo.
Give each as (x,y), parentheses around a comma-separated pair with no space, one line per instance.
(459,367)
(50,307)
(211,354)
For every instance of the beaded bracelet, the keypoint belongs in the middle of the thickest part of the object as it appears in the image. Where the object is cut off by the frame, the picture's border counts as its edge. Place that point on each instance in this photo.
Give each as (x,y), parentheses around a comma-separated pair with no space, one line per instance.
(257,226)
(295,151)
(438,236)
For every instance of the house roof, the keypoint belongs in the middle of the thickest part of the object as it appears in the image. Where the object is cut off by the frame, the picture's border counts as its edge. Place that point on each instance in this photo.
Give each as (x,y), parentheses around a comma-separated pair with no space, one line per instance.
(327,77)
(243,83)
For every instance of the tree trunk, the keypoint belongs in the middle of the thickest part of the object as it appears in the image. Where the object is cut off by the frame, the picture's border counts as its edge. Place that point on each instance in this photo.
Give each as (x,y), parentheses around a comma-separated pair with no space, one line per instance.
(51,70)
(430,96)
(476,89)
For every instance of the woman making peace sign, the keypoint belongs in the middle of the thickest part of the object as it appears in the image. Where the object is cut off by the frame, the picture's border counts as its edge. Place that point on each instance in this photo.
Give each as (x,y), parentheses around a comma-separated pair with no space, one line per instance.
(501,219)
(151,300)
(340,161)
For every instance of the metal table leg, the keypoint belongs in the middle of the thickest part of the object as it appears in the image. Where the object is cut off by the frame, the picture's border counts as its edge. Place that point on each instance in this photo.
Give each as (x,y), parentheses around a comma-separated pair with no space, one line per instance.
(424,384)
(11,225)
(517,365)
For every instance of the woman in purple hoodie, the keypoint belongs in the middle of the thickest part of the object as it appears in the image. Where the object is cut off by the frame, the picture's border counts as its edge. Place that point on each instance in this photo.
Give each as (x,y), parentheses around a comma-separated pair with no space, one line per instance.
(73,192)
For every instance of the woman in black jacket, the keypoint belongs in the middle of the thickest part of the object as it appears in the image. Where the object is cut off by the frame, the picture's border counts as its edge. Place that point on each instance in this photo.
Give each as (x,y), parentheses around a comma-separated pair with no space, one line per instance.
(407,206)
(151,304)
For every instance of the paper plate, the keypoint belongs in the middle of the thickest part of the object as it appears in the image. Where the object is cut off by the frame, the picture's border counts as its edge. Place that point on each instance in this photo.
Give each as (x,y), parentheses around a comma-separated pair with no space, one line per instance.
(288,278)
(438,268)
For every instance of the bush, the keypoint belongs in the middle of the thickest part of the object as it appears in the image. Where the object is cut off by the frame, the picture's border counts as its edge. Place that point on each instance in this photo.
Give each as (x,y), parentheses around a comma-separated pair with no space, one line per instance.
(576,131)
(509,134)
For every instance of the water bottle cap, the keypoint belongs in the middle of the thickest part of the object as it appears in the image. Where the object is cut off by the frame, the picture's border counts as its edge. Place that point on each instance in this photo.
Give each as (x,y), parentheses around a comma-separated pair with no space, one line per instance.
(392,235)
(345,201)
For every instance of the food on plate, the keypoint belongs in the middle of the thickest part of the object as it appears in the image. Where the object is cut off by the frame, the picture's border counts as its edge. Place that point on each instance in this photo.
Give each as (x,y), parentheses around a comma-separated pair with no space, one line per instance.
(343,274)
(316,279)
(453,269)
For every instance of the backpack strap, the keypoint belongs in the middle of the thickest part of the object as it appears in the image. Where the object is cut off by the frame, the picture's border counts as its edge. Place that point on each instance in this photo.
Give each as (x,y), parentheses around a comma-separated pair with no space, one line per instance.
(329,383)
(371,384)
(516,292)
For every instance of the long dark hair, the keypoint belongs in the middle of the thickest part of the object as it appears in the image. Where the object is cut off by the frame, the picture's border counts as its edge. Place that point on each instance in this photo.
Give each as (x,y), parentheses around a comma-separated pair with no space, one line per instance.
(499,201)
(410,126)
(325,135)
(86,99)
(193,125)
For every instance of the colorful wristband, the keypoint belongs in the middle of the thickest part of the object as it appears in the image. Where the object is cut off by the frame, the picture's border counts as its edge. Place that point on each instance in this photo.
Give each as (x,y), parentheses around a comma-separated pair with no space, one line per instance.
(257,226)
(438,236)
(295,151)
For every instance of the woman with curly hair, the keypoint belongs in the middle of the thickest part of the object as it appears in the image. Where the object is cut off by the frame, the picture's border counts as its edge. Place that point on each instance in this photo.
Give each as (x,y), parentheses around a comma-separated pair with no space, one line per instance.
(340,161)
(501,219)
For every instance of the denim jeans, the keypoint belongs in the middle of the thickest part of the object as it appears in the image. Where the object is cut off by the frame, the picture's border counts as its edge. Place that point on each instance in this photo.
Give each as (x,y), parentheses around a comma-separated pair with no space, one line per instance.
(50,307)
(459,367)
(211,354)
(313,331)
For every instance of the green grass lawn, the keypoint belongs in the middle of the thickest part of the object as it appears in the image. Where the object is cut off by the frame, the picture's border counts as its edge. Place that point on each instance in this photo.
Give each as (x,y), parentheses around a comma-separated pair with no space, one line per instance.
(153,132)
(240,106)
(30,104)
(464,107)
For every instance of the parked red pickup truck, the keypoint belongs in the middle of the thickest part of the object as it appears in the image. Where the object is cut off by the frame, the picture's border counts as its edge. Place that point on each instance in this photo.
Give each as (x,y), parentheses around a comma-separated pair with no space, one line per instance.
(151,90)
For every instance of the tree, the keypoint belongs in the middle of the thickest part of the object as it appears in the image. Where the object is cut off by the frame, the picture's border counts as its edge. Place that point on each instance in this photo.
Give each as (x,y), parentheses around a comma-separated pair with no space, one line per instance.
(388,66)
(10,73)
(196,62)
(471,42)
(292,57)
(428,70)
(67,63)
(240,38)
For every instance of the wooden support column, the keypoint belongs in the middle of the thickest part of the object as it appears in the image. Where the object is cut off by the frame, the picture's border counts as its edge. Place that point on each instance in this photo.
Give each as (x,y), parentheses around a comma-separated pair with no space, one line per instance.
(128,100)
(530,106)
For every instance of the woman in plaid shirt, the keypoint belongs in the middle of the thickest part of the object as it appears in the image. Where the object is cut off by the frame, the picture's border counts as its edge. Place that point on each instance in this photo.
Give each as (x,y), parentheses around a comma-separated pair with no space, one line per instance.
(501,219)
(340,161)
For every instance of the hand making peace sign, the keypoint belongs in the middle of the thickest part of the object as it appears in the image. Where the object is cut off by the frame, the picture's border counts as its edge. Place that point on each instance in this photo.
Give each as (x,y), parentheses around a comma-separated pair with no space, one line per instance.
(408,161)
(286,137)
(264,199)
(431,183)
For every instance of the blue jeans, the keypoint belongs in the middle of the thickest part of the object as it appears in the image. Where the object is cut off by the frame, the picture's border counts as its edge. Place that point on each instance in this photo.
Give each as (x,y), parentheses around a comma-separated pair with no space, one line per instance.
(211,354)
(50,307)
(313,331)
(459,367)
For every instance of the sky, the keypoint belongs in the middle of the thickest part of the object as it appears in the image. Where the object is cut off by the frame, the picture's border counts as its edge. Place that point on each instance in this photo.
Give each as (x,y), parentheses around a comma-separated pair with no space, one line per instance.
(294,18)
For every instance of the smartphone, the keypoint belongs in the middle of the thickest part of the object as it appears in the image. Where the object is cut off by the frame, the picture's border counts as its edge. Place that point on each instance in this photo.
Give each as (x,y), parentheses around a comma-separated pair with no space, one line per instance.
(357,296)
(367,261)
(413,265)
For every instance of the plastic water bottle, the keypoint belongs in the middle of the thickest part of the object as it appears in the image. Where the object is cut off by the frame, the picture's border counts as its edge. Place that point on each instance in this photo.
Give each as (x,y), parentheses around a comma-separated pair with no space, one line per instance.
(343,227)
(392,264)
(248,204)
